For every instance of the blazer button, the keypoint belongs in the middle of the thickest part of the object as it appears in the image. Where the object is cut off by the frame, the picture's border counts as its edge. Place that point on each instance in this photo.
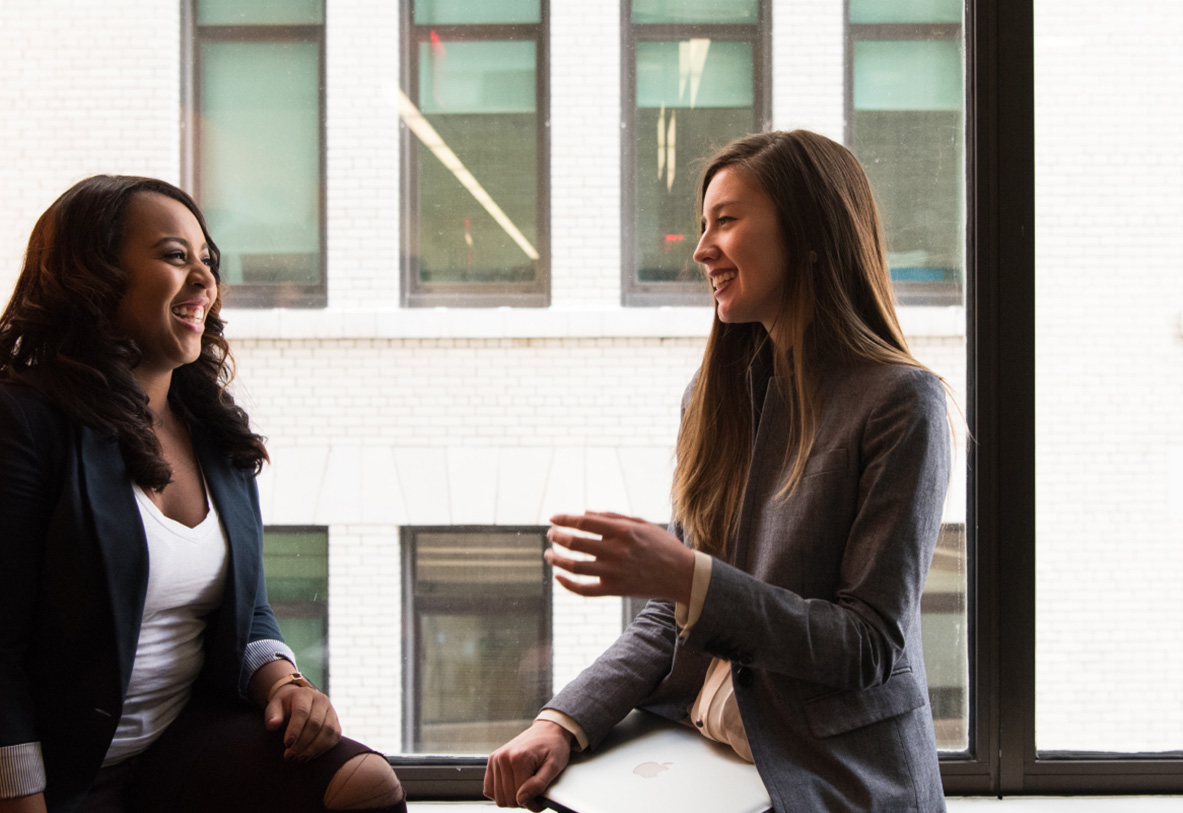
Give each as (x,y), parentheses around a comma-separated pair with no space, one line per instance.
(744,676)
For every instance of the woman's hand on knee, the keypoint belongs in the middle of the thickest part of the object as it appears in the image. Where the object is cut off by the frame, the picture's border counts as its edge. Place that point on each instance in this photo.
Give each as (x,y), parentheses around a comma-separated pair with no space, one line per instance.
(312,724)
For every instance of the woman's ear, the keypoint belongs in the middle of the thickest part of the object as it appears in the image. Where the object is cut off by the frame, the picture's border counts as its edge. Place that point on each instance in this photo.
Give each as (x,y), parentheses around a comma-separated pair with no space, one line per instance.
(813,256)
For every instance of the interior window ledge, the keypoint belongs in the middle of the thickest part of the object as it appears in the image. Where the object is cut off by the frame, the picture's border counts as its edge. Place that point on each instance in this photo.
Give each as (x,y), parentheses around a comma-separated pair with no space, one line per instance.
(975,804)
(522,323)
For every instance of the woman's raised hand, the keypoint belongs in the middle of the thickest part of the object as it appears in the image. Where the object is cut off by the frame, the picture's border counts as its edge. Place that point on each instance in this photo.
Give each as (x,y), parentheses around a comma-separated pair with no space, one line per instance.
(630,557)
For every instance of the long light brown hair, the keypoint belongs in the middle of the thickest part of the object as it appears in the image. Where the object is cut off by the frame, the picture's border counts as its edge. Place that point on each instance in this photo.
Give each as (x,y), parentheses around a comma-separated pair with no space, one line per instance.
(837,309)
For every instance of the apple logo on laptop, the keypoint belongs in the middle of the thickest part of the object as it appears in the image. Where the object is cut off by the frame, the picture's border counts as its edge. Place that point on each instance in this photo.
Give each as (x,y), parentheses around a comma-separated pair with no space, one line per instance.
(648,770)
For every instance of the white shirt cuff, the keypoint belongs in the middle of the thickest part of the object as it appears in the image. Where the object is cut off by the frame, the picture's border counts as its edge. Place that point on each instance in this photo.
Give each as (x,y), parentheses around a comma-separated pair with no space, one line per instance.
(22,771)
(262,652)
(686,615)
(565,721)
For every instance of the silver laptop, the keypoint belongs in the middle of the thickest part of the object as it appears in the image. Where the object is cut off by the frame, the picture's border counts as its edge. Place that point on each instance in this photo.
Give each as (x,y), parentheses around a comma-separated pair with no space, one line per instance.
(649,765)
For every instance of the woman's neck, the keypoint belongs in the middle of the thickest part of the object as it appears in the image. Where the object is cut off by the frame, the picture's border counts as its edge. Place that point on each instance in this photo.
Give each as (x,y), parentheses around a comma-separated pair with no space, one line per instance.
(156,386)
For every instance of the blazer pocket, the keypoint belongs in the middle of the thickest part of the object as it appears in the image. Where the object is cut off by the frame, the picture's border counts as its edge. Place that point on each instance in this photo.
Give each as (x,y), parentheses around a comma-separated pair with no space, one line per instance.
(821,462)
(839,712)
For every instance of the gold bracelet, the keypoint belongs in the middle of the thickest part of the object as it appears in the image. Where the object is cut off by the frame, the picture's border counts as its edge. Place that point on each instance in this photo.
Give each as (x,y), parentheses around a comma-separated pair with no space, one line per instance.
(294,677)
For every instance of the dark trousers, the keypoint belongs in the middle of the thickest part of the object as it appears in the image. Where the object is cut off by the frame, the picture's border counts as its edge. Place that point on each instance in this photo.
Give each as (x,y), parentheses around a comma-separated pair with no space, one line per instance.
(216,757)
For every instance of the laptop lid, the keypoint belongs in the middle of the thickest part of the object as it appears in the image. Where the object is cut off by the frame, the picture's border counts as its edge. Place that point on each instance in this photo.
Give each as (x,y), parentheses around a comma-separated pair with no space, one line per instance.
(648,764)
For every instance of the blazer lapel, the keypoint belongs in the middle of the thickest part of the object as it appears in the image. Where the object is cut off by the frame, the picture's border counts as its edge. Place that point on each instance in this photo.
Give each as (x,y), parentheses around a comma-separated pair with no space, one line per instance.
(230,493)
(119,534)
(763,392)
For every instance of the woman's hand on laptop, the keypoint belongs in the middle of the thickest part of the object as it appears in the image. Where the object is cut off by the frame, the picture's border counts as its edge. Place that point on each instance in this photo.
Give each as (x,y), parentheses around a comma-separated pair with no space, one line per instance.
(524,767)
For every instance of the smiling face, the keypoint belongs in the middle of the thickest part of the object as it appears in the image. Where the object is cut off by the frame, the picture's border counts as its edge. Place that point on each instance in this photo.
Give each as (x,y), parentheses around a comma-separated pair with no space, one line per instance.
(170,287)
(742,249)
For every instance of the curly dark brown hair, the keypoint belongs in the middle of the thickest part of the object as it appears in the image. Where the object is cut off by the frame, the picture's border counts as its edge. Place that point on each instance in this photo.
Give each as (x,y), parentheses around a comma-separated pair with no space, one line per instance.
(58,333)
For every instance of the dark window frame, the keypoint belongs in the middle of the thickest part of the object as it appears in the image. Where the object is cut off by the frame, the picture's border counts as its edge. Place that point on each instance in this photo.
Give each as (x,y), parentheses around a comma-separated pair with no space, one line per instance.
(633,292)
(1000,294)
(413,607)
(251,295)
(414,293)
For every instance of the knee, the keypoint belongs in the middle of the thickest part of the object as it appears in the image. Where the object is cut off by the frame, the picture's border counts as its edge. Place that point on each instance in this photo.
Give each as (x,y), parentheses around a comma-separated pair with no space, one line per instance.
(364,782)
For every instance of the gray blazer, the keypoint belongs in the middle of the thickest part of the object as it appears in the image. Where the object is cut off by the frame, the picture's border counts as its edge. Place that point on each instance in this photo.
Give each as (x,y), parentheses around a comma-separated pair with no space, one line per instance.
(818,607)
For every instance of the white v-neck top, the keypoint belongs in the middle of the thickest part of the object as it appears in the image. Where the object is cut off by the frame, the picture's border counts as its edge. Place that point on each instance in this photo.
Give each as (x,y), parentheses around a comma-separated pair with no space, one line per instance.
(186,577)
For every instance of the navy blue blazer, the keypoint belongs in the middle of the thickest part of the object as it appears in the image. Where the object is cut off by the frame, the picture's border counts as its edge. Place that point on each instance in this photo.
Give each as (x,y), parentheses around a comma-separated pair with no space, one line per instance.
(73,576)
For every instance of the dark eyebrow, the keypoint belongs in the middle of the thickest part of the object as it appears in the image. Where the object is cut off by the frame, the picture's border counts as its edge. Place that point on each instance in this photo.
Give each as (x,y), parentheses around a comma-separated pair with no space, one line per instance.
(181,240)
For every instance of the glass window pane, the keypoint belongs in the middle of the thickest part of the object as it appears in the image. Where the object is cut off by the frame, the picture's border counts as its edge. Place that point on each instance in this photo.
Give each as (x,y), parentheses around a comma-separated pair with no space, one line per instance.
(259,161)
(476,12)
(1109,379)
(694,73)
(481,652)
(915,163)
(907,75)
(945,630)
(296,565)
(260,12)
(478,185)
(695,11)
(905,11)
(455,565)
(477,77)
(692,96)
(907,130)
(480,681)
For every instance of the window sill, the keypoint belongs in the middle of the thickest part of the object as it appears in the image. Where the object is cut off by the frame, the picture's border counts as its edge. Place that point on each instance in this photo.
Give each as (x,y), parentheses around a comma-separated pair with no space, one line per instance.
(1013,804)
(522,323)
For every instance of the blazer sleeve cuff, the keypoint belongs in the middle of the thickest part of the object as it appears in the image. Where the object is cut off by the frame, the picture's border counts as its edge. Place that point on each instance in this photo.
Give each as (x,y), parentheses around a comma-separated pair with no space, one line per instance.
(22,771)
(565,721)
(262,652)
(687,614)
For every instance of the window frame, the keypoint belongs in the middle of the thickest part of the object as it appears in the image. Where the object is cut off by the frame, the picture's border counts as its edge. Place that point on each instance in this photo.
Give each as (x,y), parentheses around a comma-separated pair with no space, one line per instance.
(633,292)
(1000,151)
(251,295)
(416,294)
(1000,410)
(413,608)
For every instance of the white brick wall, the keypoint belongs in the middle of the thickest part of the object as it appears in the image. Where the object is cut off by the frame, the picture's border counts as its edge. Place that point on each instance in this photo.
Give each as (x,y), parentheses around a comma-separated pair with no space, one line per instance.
(365,632)
(86,87)
(808,68)
(1109,291)
(585,153)
(362,153)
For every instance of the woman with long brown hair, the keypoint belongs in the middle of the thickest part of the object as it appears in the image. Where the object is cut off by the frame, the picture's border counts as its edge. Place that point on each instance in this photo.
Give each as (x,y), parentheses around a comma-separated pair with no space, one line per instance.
(812,465)
(141,667)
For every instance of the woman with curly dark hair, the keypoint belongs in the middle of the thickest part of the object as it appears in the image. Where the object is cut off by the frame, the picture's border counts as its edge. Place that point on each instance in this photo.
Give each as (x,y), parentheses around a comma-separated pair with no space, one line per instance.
(137,647)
